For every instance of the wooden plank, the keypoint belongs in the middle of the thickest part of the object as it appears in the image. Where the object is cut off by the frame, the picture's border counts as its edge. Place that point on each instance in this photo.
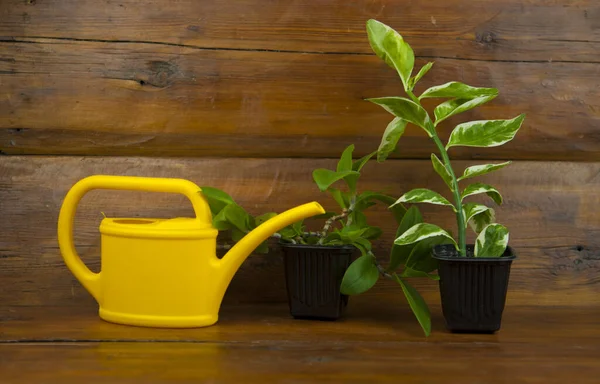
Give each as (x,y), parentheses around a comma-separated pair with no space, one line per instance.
(153,363)
(550,208)
(260,343)
(93,98)
(536,30)
(365,321)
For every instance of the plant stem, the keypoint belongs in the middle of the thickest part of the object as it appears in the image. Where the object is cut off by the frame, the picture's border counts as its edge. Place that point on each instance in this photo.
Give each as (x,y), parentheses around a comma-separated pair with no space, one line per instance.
(460,219)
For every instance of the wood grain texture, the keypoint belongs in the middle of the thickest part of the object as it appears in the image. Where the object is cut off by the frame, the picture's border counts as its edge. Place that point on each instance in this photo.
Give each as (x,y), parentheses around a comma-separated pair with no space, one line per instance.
(550,208)
(535,30)
(259,343)
(97,98)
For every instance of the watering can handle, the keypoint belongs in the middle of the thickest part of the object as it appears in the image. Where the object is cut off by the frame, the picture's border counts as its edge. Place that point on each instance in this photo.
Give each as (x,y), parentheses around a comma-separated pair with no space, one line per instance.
(89,279)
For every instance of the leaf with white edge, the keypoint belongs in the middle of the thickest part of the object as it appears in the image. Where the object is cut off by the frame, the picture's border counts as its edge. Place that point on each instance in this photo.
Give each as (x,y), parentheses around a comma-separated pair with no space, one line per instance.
(358,164)
(389,46)
(477,188)
(481,220)
(422,231)
(478,170)
(325,177)
(456,106)
(360,276)
(414,80)
(345,162)
(423,195)
(485,133)
(441,170)
(389,140)
(401,253)
(407,110)
(458,90)
(478,216)
(472,209)
(492,241)
(217,199)
(417,305)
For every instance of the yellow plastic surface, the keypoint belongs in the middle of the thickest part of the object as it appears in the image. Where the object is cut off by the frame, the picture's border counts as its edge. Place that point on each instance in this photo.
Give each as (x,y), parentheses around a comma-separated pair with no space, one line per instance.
(161,272)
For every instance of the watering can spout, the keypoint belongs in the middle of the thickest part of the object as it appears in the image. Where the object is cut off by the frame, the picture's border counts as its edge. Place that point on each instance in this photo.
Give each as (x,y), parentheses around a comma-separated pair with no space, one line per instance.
(242,249)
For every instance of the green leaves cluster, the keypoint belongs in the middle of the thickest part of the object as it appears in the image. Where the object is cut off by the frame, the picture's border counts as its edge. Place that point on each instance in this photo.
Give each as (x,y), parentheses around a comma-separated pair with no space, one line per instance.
(492,238)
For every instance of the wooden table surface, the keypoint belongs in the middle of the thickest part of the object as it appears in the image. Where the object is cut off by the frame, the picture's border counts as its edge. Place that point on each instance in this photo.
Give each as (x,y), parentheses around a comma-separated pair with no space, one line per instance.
(262,343)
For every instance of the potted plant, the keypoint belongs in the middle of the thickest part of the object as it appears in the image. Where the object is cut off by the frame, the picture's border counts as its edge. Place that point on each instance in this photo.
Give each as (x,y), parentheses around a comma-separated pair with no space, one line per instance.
(473,277)
(316,262)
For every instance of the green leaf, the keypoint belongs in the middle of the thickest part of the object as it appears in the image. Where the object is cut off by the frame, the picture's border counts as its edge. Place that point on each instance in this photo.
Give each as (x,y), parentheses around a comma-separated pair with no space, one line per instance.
(358,164)
(338,197)
(372,233)
(238,217)
(409,272)
(407,110)
(485,133)
(420,232)
(262,218)
(456,106)
(441,170)
(390,138)
(492,241)
(420,258)
(325,177)
(417,305)
(333,238)
(459,90)
(345,162)
(292,231)
(351,234)
(360,276)
(217,199)
(262,248)
(478,170)
(359,219)
(400,253)
(389,46)
(422,72)
(363,245)
(237,235)
(397,210)
(477,188)
(423,195)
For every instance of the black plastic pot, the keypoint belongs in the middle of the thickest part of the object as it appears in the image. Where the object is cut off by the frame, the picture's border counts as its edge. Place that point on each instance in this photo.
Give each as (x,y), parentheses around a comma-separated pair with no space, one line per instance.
(473,290)
(313,275)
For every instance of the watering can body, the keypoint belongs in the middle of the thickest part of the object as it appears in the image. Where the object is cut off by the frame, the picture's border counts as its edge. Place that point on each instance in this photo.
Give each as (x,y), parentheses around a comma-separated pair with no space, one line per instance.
(161,272)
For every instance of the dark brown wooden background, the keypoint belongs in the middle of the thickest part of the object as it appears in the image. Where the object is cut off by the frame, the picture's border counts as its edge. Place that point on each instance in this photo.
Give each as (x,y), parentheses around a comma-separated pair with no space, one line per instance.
(252,95)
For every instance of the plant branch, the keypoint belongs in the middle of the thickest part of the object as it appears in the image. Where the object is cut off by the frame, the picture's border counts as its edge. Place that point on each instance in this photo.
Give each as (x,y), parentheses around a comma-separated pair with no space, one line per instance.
(383,272)
(330,221)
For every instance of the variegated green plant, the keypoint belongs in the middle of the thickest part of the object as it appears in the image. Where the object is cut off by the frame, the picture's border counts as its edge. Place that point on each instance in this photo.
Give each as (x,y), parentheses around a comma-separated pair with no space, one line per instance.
(492,238)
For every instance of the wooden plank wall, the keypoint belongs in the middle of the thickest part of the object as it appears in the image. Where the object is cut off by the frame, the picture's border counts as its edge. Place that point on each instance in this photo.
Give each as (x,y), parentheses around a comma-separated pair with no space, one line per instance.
(251,95)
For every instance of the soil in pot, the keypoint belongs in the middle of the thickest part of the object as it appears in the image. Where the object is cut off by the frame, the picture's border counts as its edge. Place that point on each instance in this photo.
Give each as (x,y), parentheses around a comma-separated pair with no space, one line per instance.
(313,276)
(473,289)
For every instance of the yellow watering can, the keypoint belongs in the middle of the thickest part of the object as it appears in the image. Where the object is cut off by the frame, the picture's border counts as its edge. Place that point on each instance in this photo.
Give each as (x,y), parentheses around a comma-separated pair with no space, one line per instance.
(161,272)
